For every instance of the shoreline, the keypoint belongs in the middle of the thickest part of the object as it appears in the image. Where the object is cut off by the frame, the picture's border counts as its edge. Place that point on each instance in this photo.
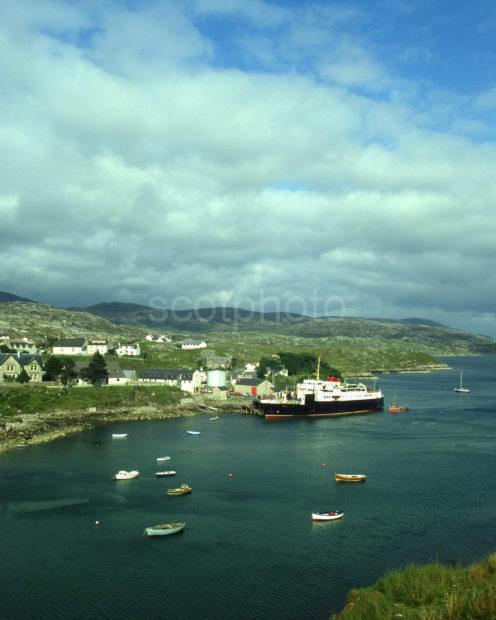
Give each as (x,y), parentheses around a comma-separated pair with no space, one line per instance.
(42,428)
(36,429)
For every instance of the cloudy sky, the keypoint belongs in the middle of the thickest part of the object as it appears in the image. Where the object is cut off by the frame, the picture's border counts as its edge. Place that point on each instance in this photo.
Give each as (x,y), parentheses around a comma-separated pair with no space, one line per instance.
(323,156)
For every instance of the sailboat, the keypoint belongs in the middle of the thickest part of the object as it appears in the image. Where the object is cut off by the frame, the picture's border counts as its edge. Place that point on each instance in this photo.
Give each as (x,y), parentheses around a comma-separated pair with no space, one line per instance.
(461,389)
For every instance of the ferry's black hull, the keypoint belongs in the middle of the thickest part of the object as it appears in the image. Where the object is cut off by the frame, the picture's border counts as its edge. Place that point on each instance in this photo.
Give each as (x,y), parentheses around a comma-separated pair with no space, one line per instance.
(312,408)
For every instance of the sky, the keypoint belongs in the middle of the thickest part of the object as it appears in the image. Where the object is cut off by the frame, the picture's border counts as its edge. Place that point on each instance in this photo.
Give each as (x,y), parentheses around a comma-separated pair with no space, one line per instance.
(319,157)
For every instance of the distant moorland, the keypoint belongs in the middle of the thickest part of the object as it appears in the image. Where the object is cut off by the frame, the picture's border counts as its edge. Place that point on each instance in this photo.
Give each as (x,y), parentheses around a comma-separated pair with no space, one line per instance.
(353,345)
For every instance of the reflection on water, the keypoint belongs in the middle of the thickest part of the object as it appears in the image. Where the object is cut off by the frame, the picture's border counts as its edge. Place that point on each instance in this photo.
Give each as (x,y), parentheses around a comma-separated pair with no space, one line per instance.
(250,549)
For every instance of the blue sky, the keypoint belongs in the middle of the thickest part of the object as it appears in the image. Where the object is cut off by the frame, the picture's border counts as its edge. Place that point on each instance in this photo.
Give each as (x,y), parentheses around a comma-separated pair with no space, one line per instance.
(231,151)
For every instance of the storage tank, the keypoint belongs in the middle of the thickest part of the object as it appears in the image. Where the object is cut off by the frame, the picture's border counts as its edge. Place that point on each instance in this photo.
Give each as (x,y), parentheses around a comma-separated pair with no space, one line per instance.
(216,378)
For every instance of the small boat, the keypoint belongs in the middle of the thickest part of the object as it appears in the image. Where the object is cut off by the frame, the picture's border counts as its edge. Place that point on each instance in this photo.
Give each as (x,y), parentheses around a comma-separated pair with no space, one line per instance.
(193,432)
(395,408)
(327,516)
(164,530)
(164,474)
(126,475)
(461,389)
(163,458)
(184,489)
(216,418)
(350,477)
(119,435)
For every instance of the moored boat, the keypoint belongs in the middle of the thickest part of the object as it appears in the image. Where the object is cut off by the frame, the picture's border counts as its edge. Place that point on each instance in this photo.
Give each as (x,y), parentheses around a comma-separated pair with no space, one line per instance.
(164,474)
(214,418)
(164,530)
(316,398)
(327,516)
(119,435)
(193,432)
(461,389)
(182,490)
(350,477)
(163,458)
(126,475)
(395,408)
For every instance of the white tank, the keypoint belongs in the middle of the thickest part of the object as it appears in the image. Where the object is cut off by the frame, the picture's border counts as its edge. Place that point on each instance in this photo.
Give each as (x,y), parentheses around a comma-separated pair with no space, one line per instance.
(216,378)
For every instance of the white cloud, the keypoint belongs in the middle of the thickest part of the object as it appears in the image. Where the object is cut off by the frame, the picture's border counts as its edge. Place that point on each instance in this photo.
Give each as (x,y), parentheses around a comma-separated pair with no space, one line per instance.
(130,178)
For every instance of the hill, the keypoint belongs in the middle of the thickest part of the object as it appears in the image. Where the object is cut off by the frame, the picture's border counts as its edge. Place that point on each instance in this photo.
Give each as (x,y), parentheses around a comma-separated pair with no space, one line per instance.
(11,297)
(39,320)
(431,337)
(197,320)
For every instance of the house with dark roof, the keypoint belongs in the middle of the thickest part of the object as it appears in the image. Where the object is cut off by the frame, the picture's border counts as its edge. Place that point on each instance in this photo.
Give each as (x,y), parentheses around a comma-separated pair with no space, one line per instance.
(253,387)
(11,365)
(70,346)
(184,379)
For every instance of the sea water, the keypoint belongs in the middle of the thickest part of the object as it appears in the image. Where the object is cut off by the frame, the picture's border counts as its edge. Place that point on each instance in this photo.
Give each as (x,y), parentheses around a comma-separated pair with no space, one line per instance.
(249,549)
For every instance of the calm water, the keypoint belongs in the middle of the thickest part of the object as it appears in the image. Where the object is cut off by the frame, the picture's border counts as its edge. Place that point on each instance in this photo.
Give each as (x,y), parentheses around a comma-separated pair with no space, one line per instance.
(249,549)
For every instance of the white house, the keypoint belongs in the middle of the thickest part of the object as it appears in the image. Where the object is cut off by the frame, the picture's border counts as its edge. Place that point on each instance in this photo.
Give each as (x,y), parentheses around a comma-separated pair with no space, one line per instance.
(186,380)
(193,344)
(70,346)
(158,338)
(128,349)
(102,345)
(23,345)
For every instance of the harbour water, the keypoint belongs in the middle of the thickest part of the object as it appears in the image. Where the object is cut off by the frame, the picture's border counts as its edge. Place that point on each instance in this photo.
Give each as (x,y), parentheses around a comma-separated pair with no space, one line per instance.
(249,549)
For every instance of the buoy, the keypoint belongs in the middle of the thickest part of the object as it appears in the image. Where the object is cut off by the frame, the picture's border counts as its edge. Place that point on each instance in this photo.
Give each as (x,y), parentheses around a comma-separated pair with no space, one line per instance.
(97,522)
(229,475)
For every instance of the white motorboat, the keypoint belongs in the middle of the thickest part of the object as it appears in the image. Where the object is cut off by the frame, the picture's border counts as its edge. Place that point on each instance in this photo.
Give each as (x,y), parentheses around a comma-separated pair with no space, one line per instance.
(214,418)
(163,458)
(193,432)
(126,475)
(164,474)
(119,435)
(327,516)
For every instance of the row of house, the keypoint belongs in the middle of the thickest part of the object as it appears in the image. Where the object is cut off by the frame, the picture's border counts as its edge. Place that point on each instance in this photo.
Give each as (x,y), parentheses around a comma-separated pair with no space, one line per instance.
(191,381)
(82,346)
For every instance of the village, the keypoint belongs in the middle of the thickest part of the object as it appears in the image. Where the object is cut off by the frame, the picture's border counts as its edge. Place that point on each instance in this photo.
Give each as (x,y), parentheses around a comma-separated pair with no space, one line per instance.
(88,362)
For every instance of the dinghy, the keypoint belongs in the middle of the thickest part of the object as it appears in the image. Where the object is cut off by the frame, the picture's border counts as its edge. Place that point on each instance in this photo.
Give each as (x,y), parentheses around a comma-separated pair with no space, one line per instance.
(164,530)
(327,516)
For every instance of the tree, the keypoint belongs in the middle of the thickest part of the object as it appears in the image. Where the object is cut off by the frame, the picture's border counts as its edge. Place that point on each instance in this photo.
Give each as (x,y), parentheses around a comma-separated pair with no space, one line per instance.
(96,370)
(269,365)
(23,377)
(69,376)
(53,368)
(4,348)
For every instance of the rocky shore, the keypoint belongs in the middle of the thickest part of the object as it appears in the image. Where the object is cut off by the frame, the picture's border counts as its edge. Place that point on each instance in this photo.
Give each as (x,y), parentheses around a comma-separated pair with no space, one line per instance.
(40,428)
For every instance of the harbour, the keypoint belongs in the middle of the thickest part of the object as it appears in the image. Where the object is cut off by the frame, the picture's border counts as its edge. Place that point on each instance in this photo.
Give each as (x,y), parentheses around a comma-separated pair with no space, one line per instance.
(237,557)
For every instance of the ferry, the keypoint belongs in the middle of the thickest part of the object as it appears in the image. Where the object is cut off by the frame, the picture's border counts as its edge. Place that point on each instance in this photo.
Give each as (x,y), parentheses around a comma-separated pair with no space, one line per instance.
(317,398)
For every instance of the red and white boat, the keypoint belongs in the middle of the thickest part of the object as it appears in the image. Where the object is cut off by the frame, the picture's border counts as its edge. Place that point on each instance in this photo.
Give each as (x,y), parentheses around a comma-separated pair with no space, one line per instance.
(327,516)
(395,408)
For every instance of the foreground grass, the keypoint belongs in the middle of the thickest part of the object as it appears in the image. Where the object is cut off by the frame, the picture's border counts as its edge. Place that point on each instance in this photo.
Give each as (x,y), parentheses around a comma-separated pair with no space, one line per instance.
(31,399)
(428,592)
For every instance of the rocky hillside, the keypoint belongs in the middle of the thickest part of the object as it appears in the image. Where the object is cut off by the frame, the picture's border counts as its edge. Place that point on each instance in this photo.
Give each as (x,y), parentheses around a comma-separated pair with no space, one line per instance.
(432,337)
(38,320)
(429,336)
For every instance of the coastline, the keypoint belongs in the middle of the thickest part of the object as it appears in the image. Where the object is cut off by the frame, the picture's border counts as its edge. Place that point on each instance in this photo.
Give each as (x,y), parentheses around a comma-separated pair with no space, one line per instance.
(42,428)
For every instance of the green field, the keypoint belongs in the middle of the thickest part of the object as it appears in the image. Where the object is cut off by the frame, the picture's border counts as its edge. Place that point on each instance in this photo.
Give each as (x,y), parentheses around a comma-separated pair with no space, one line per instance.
(35,399)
